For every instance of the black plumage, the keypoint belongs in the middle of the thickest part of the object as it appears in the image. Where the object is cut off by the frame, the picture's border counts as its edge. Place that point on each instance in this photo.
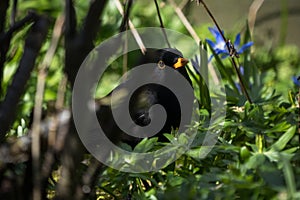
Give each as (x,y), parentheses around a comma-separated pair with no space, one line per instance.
(145,97)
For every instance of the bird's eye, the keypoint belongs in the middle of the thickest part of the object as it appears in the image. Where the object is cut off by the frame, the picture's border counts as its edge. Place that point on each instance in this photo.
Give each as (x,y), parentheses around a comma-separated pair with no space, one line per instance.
(161,64)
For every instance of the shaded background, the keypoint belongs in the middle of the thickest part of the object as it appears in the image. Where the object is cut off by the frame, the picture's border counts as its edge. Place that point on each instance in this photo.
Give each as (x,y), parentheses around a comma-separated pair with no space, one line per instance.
(233,13)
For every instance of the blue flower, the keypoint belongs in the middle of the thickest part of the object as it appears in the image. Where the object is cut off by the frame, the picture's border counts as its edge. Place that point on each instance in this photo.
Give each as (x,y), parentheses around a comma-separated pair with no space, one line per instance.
(220,46)
(296,80)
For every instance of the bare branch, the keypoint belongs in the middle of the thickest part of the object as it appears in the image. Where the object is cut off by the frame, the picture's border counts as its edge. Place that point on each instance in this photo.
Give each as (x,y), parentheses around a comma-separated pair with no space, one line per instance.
(135,34)
(92,22)
(78,45)
(124,24)
(31,16)
(185,21)
(71,22)
(36,126)
(124,27)
(4,4)
(255,6)
(162,24)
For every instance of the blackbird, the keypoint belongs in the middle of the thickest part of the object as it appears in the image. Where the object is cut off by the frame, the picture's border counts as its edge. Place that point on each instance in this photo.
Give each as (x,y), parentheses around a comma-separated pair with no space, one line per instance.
(143,98)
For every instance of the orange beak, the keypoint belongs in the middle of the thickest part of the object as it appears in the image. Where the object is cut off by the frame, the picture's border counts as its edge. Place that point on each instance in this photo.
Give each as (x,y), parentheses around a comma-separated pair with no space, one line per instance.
(180,62)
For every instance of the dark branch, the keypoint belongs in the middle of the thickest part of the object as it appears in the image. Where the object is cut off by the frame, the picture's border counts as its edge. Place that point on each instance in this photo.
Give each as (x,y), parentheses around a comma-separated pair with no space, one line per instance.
(33,44)
(31,16)
(5,39)
(92,22)
(124,24)
(162,24)
(79,45)
(4,4)
(3,46)
(70,19)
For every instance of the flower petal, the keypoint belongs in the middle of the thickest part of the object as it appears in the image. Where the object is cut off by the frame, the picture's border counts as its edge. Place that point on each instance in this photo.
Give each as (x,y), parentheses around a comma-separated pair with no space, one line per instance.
(211,43)
(296,81)
(237,40)
(219,40)
(221,51)
(245,47)
(214,31)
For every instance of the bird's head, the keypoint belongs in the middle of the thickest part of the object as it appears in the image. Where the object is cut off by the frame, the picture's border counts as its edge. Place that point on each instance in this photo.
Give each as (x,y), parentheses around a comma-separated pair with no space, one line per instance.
(172,58)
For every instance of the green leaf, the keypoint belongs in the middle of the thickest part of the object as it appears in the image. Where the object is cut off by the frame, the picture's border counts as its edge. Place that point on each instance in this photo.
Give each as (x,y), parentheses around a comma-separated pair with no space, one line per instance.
(279,127)
(256,160)
(291,150)
(284,139)
(170,137)
(145,145)
(289,177)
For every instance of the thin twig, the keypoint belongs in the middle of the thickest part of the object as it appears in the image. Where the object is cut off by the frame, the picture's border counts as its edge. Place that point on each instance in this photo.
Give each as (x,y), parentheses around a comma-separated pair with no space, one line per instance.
(230,49)
(136,35)
(162,24)
(38,107)
(60,98)
(124,27)
(255,6)
(193,33)
(125,53)
(185,21)
(127,8)
(56,127)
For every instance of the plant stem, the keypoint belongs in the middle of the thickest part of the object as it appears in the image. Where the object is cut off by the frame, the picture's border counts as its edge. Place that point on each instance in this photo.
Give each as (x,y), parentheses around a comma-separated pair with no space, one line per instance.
(229,50)
(161,24)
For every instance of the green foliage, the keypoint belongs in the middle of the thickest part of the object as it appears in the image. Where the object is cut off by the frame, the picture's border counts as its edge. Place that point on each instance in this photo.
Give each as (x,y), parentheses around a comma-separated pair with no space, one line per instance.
(257,155)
